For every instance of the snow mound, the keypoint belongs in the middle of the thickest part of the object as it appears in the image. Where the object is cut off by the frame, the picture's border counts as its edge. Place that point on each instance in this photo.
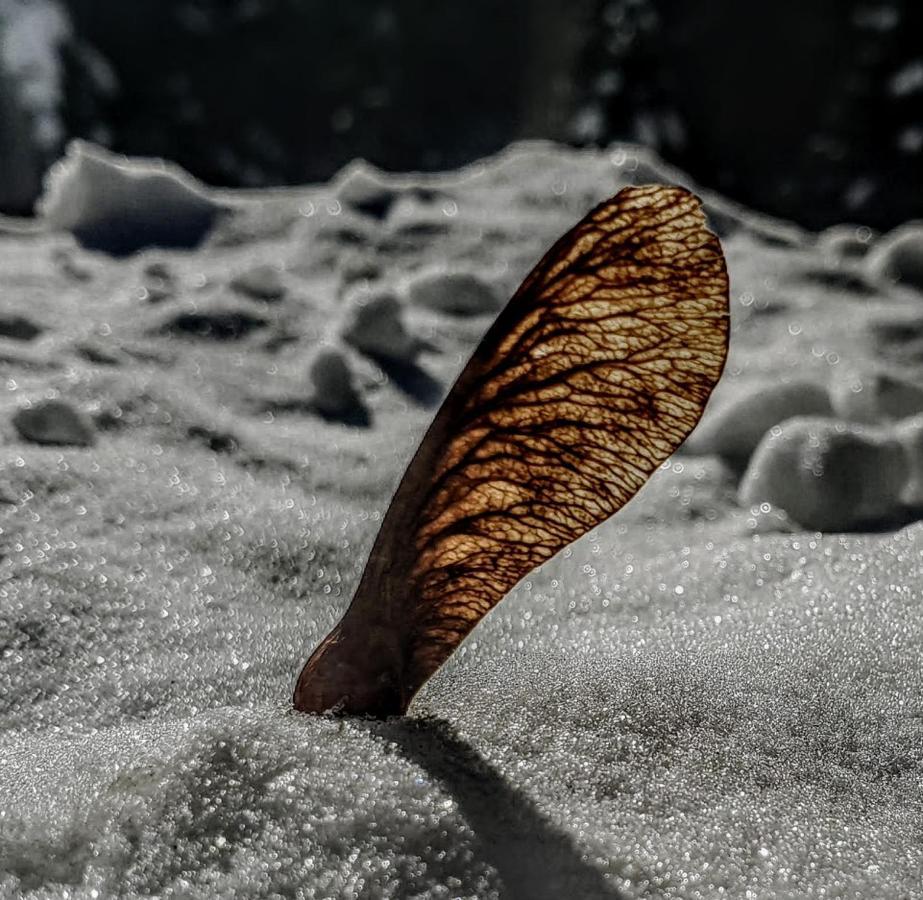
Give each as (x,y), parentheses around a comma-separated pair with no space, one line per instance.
(260,282)
(158,282)
(120,205)
(828,475)
(374,325)
(910,433)
(364,188)
(734,430)
(19,327)
(54,422)
(457,293)
(214,320)
(846,242)
(334,386)
(871,395)
(898,256)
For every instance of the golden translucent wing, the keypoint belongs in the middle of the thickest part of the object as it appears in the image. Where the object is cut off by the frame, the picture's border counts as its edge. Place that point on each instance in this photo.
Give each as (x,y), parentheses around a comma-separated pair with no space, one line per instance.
(595,372)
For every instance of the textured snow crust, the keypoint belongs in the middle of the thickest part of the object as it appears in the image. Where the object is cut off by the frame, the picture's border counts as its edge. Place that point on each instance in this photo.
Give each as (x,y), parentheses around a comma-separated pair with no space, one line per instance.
(701,698)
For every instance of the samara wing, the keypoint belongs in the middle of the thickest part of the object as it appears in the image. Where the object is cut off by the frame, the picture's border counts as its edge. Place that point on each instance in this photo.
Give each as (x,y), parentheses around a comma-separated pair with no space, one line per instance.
(593,374)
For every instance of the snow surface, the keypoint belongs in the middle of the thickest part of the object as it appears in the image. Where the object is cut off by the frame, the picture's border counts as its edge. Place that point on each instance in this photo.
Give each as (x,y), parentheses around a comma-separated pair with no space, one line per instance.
(698,699)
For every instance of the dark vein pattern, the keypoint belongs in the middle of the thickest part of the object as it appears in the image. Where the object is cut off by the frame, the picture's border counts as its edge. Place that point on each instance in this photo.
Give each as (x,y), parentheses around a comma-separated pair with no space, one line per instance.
(592,376)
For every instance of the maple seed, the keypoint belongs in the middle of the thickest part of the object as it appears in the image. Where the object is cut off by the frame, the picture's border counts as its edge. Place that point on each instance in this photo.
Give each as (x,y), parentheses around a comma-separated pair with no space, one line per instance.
(592,375)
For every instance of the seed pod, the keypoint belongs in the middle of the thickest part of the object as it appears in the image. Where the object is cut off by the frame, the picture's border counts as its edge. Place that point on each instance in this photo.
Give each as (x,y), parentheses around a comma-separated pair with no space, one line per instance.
(593,374)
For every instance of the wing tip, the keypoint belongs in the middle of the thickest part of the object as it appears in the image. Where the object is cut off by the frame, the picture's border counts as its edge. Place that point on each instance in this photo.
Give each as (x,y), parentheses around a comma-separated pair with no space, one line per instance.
(638,196)
(653,195)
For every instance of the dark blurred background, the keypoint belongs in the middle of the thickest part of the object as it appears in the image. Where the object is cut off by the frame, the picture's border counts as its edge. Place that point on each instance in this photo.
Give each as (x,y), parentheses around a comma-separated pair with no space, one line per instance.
(808,109)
